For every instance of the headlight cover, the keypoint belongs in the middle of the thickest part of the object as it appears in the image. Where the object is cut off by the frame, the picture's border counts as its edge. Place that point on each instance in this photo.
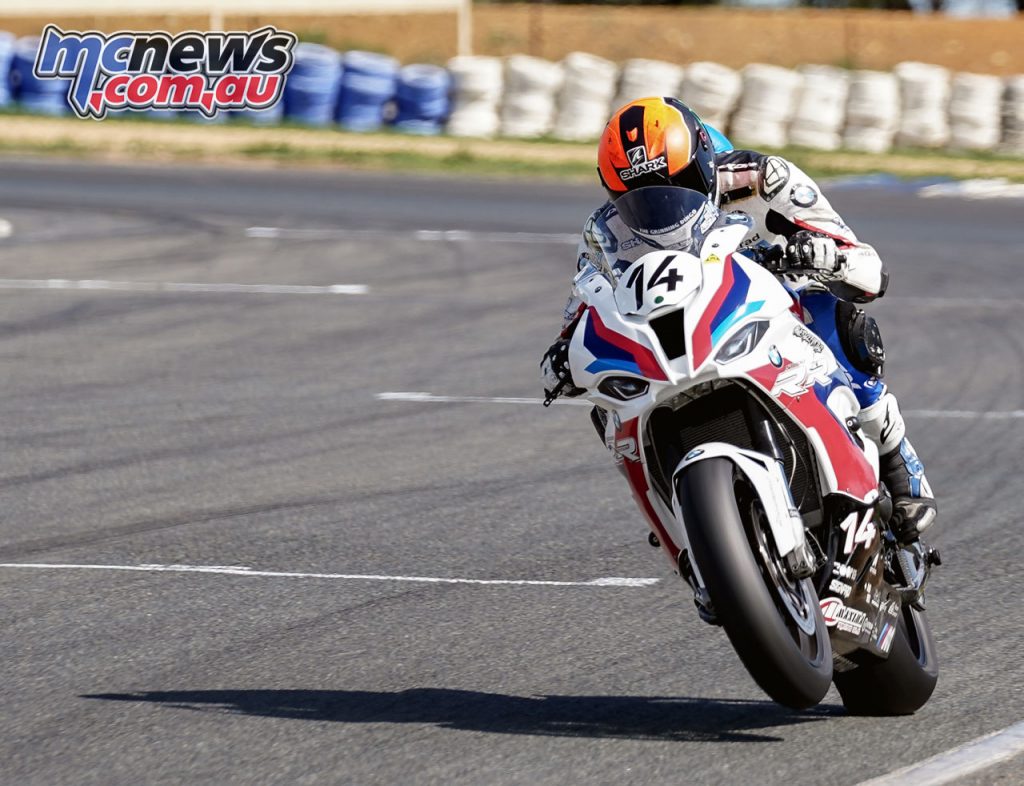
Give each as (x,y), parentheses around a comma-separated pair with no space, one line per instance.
(623,388)
(743,342)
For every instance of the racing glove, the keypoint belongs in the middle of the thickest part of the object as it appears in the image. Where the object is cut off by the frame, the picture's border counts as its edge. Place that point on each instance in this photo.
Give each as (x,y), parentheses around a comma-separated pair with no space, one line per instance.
(809,251)
(555,374)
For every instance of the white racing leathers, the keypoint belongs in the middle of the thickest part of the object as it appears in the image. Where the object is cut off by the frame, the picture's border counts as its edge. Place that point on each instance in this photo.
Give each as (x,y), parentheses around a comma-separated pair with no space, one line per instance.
(782,200)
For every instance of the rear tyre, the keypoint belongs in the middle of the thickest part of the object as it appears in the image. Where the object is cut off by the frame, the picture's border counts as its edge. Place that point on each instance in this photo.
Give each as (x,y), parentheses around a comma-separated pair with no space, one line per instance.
(773,622)
(899,684)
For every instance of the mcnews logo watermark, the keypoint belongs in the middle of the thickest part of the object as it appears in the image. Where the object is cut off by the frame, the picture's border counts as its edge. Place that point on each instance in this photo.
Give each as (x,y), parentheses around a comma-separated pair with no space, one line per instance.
(205,72)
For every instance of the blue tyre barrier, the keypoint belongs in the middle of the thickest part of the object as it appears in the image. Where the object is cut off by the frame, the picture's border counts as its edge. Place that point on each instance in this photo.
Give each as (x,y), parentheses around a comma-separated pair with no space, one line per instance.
(7,41)
(423,100)
(367,85)
(45,96)
(311,89)
(267,117)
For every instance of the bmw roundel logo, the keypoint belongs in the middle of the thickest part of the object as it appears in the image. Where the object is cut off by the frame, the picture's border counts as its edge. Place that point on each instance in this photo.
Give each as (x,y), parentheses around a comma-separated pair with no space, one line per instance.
(693,454)
(803,196)
(775,356)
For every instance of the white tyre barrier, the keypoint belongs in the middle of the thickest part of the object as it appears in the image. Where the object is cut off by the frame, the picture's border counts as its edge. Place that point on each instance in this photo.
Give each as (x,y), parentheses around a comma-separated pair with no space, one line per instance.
(645,78)
(821,109)
(531,86)
(477,84)
(924,97)
(767,104)
(872,111)
(584,103)
(1013,116)
(712,91)
(975,111)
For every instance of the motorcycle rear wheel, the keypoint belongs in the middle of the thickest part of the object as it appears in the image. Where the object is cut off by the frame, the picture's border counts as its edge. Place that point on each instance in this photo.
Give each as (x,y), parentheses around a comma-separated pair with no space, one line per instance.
(773,622)
(899,684)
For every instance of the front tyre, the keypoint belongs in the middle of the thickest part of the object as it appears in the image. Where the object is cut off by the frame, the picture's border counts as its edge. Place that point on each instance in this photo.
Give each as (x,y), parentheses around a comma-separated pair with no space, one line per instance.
(773,622)
(899,684)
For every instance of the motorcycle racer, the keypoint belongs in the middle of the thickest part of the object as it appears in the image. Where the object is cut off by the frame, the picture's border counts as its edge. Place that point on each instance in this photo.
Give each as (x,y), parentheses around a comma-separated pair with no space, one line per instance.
(660,141)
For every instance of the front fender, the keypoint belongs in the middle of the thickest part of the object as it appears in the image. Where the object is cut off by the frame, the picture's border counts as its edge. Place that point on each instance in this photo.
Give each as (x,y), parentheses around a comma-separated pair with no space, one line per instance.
(766,476)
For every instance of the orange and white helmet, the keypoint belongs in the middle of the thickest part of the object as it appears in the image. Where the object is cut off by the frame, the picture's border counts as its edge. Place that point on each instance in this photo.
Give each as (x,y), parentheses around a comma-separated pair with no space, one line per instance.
(656,142)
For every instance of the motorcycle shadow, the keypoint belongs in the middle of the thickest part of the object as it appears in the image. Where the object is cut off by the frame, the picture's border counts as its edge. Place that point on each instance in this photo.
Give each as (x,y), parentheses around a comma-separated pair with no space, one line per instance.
(616,717)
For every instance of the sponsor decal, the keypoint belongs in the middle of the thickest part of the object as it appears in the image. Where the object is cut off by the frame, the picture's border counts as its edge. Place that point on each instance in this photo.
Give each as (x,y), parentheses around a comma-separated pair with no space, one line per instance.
(774,177)
(693,454)
(775,356)
(840,588)
(803,195)
(841,617)
(712,259)
(640,165)
(809,339)
(844,571)
(633,242)
(203,72)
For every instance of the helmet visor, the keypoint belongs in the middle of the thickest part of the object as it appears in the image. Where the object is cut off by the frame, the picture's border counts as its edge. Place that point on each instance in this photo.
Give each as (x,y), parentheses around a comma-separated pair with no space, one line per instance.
(668,217)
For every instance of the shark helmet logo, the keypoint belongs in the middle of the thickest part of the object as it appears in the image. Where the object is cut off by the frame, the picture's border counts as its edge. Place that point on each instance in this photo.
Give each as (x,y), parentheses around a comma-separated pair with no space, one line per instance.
(637,155)
(640,165)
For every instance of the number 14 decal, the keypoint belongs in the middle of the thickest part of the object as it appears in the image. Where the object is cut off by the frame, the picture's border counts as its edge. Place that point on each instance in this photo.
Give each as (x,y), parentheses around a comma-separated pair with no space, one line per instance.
(858,532)
(670,279)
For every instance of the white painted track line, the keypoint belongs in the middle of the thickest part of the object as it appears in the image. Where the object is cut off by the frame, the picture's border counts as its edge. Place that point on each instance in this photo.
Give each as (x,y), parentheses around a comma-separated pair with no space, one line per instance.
(427,235)
(978,188)
(957,763)
(173,286)
(439,399)
(241,570)
(966,414)
(6,228)
(434,398)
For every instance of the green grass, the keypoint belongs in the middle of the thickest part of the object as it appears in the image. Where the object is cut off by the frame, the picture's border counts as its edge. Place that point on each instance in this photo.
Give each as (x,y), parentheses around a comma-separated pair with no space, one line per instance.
(473,159)
(462,162)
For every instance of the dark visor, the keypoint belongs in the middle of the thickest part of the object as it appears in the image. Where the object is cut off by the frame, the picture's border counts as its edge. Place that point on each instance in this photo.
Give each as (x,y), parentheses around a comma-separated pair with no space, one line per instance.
(657,210)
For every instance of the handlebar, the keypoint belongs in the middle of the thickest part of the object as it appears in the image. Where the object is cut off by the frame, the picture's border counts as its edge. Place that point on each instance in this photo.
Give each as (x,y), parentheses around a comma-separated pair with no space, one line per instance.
(772,257)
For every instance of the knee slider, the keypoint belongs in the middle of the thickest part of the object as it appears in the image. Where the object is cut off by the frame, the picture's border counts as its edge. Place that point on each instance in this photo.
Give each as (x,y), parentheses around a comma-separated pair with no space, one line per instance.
(861,339)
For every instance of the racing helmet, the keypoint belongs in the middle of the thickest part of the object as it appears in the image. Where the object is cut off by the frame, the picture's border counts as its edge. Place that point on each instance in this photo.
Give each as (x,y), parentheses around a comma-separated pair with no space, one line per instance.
(656,142)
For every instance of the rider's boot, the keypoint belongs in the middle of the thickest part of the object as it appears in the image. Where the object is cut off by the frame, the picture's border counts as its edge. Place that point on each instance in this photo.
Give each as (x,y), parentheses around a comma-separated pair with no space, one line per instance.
(914,508)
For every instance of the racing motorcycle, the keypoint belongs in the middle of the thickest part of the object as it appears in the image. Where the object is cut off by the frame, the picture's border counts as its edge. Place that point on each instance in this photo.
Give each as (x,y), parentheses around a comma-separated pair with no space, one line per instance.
(737,432)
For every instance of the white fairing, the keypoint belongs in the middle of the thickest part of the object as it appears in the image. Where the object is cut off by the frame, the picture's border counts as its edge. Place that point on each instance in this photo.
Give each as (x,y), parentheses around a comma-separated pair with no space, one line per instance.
(768,480)
(733,321)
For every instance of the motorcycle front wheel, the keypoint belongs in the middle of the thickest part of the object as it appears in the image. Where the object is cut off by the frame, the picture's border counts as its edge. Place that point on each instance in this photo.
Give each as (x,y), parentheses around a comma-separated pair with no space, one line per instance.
(773,621)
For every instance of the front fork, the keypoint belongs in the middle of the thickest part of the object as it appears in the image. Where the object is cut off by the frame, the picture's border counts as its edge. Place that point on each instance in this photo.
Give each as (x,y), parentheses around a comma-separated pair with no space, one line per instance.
(806,560)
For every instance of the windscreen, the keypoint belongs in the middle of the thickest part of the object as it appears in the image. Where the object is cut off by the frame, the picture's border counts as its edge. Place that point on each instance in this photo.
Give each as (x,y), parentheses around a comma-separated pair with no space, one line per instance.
(667,217)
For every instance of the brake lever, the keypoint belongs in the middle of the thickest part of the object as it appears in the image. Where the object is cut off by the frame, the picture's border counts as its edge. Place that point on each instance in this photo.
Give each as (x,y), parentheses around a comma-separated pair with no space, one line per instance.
(550,397)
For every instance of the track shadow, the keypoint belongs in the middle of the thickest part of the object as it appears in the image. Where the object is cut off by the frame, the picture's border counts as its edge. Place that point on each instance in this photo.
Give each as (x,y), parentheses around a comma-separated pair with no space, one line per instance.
(621,717)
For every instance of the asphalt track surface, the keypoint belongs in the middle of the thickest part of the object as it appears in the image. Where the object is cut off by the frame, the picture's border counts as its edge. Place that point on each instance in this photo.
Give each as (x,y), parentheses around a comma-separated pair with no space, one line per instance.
(243,429)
